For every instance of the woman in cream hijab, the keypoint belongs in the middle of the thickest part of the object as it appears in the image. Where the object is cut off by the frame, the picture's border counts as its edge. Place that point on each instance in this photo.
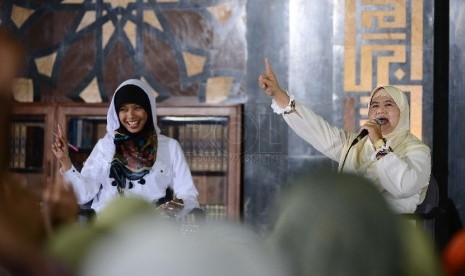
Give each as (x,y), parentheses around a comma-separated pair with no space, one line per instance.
(397,162)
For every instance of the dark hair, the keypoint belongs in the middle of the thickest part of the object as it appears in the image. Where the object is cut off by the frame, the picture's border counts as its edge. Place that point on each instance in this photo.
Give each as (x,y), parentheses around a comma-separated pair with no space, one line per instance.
(131,93)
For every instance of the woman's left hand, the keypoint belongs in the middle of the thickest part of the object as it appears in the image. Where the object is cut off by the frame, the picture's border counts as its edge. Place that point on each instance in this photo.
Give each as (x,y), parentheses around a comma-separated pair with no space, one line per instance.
(374,130)
(60,150)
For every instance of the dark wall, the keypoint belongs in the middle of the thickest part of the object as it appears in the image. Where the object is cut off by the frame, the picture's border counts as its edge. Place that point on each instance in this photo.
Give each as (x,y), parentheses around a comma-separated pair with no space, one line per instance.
(456,111)
(265,166)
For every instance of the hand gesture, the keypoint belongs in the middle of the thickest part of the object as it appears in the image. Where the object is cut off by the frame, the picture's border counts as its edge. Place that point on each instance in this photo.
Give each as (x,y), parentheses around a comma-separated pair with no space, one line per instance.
(268,81)
(60,149)
(270,85)
(374,130)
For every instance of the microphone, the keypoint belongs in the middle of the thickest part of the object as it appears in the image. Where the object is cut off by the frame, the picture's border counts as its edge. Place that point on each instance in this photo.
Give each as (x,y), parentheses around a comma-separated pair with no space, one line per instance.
(359,137)
(363,133)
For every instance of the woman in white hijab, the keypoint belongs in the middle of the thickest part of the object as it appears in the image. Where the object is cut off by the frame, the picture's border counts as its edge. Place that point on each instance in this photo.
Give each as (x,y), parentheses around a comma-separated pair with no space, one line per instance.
(397,162)
(133,159)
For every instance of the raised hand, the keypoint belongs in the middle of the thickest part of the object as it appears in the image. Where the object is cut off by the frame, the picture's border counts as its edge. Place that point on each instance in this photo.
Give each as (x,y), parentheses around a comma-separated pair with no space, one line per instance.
(60,149)
(270,85)
(268,81)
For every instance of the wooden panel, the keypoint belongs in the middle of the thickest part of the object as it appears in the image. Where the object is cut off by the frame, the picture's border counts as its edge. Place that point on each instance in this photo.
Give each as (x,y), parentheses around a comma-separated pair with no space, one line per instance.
(36,180)
(214,188)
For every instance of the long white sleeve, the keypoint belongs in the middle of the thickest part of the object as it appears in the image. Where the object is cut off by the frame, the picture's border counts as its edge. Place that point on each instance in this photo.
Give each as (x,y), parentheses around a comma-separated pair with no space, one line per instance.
(325,138)
(86,183)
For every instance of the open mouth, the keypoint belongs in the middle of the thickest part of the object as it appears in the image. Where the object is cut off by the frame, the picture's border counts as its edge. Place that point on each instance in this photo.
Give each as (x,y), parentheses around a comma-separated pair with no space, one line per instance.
(133,123)
(382,121)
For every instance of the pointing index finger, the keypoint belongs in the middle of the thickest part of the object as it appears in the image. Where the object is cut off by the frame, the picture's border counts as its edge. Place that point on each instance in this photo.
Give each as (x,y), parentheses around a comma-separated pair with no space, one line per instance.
(269,72)
(60,131)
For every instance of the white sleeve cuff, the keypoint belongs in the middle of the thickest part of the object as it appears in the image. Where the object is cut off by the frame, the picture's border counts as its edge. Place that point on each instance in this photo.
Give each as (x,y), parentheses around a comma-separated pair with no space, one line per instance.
(279,110)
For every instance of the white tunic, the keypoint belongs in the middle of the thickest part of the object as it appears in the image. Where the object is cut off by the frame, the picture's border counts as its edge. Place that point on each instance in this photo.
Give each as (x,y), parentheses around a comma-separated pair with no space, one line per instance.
(170,170)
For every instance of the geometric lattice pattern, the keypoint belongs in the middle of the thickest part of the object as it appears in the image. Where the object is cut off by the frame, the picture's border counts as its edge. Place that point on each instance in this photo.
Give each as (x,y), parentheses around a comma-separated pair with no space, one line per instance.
(384,45)
(80,50)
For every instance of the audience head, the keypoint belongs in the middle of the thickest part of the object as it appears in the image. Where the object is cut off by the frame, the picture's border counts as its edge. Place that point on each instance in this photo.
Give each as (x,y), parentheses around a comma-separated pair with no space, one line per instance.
(145,247)
(336,224)
(72,243)
(129,238)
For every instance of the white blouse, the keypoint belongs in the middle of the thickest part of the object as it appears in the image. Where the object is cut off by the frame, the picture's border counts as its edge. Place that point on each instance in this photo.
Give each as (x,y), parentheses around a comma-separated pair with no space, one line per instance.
(169,170)
(402,176)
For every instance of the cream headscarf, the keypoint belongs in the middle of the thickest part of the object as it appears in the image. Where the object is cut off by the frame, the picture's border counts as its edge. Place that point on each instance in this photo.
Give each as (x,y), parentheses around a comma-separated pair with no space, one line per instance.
(358,159)
(400,99)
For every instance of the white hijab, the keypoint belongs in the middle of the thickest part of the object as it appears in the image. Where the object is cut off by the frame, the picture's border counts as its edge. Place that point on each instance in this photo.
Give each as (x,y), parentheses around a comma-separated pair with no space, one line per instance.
(401,100)
(112,115)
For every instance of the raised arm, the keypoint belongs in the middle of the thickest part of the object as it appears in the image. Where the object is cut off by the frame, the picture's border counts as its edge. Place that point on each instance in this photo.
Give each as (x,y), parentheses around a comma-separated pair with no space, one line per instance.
(325,138)
(87,182)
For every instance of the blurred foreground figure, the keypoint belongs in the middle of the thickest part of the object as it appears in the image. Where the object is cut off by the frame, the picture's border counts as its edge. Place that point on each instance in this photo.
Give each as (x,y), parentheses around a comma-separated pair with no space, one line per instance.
(25,216)
(11,56)
(128,238)
(339,224)
(453,257)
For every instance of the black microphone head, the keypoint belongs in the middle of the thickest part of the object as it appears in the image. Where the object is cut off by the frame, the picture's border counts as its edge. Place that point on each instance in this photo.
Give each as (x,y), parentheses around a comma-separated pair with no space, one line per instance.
(359,137)
(362,134)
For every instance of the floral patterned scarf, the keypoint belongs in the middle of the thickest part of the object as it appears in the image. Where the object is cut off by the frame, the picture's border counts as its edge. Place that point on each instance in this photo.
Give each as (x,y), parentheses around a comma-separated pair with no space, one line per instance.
(134,156)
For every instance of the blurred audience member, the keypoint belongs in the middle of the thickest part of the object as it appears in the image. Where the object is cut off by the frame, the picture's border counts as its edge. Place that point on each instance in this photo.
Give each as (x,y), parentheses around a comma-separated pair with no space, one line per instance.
(73,242)
(22,228)
(129,238)
(145,247)
(59,206)
(339,224)
(453,256)
(11,55)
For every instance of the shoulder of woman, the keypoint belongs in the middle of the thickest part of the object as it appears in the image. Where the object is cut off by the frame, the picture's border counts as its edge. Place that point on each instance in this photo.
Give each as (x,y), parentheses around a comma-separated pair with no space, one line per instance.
(415,140)
(162,139)
(105,141)
(412,143)
(105,145)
